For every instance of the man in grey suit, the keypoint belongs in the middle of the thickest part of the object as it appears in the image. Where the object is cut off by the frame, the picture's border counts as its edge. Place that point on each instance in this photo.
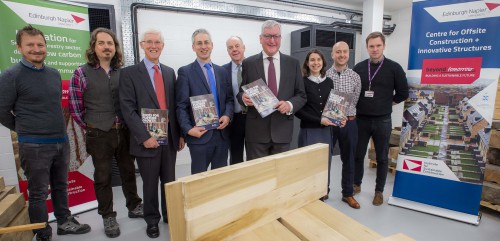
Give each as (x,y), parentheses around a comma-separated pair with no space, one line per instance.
(141,87)
(282,73)
(236,51)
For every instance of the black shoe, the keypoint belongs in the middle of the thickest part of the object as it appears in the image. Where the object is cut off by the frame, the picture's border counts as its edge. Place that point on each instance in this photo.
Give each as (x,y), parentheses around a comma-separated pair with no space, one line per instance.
(153,231)
(45,238)
(71,226)
(165,220)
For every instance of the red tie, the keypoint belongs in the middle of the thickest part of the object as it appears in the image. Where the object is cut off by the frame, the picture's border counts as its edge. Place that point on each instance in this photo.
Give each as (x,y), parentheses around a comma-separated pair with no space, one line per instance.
(271,75)
(159,88)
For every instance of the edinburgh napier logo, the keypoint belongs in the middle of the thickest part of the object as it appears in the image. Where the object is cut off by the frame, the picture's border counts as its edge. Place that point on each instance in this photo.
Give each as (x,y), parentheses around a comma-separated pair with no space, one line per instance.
(412,165)
(60,20)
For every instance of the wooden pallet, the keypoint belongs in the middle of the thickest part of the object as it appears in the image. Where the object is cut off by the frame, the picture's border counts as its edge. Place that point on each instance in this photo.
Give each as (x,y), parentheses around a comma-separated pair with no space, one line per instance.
(373,164)
(490,206)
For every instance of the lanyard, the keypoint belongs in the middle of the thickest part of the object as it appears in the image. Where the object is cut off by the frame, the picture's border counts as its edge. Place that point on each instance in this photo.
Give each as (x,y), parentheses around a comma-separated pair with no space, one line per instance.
(370,77)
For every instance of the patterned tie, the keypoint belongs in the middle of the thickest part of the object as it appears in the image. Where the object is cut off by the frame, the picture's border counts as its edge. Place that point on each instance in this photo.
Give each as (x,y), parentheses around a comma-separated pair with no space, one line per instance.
(238,75)
(271,72)
(244,108)
(213,86)
(160,88)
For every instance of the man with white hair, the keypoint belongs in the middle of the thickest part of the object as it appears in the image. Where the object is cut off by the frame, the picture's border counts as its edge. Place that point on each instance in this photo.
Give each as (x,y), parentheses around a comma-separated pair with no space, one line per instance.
(236,51)
(150,85)
(283,75)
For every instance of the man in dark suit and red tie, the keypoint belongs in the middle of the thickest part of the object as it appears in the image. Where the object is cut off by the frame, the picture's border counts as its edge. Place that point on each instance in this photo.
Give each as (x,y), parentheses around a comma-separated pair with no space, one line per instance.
(282,73)
(236,51)
(151,85)
(207,147)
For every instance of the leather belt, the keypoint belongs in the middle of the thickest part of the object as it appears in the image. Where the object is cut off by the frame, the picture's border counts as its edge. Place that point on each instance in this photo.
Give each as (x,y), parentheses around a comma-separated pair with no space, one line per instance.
(351,118)
(115,126)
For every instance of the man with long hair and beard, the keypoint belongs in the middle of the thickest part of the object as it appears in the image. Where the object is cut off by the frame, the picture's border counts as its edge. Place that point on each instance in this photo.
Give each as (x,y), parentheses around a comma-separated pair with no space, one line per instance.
(94,105)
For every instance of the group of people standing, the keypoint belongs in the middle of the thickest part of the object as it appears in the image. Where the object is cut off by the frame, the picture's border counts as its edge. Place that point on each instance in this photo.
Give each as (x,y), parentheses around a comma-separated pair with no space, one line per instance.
(106,101)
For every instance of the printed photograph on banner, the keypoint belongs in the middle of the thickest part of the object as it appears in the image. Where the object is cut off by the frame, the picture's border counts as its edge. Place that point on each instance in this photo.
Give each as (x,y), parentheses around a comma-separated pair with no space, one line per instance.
(448,123)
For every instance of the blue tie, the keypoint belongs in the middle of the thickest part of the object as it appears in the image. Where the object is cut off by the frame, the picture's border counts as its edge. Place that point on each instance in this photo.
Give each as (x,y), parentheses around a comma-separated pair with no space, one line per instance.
(213,87)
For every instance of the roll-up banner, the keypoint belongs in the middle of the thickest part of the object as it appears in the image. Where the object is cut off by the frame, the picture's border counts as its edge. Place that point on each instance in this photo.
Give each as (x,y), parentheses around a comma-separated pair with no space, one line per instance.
(66,29)
(453,73)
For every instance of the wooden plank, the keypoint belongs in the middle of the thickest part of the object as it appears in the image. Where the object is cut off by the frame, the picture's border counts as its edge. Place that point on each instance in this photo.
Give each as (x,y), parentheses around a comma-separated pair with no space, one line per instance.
(492,173)
(175,207)
(19,220)
(309,228)
(490,206)
(345,225)
(226,202)
(495,137)
(6,191)
(394,139)
(10,206)
(491,193)
(397,237)
(274,231)
(2,183)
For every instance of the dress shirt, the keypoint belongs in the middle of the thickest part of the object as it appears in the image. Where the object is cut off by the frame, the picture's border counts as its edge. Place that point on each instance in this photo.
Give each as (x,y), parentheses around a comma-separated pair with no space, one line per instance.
(151,71)
(347,81)
(236,88)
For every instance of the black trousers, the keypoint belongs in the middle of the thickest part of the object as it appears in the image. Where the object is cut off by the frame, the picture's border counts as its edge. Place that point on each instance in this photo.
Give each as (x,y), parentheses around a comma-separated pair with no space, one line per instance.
(347,137)
(237,138)
(103,146)
(153,169)
(380,132)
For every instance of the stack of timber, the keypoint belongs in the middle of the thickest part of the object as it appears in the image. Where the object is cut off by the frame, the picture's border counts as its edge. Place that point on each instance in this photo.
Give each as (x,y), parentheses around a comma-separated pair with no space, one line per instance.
(393,151)
(13,212)
(490,197)
(271,198)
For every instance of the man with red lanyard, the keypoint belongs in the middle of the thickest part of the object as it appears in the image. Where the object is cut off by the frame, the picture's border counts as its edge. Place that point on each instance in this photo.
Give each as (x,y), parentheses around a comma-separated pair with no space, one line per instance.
(383,83)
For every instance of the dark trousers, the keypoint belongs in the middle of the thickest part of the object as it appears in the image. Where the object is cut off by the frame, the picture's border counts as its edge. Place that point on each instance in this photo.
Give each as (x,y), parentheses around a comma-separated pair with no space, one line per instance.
(257,150)
(380,132)
(162,168)
(44,165)
(103,146)
(309,136)
(213,153)
(237,138)
(347,137)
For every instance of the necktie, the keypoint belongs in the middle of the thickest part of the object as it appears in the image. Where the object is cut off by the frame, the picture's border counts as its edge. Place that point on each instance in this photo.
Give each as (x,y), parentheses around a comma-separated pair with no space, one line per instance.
(238,75)
(271,75)
(159,88)
(213,86)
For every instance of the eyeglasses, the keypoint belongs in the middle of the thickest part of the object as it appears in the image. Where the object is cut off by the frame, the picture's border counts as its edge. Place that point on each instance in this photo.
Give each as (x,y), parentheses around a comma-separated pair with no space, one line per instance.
(151,42)
(269,37)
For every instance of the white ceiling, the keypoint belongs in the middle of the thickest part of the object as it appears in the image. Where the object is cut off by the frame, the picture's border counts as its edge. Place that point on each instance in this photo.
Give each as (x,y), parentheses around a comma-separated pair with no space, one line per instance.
(389,5)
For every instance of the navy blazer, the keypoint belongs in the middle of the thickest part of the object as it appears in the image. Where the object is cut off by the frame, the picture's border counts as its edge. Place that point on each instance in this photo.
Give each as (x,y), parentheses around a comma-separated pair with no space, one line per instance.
(192,82)
(136,92)
(276,127)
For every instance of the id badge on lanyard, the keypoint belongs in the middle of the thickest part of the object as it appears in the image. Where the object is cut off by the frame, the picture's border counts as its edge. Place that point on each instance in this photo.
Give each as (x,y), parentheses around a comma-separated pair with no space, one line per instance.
(370,93)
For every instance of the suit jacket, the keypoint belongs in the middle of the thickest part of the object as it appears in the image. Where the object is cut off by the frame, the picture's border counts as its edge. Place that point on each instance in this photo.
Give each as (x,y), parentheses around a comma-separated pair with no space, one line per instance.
(192,82)
(276,127)
(136,92)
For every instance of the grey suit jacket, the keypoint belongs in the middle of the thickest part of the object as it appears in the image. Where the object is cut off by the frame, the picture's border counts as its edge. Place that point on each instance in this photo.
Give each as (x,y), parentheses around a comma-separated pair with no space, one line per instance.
(276,127)
(136,92)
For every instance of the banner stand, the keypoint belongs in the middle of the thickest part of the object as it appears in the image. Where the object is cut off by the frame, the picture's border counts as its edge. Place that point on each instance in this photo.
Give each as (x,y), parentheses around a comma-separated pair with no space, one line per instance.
(443,212)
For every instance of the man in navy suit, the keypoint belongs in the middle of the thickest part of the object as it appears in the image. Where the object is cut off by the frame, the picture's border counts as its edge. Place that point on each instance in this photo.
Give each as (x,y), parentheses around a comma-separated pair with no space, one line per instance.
(282,73)
(150,85)
(207,147)
(236,50)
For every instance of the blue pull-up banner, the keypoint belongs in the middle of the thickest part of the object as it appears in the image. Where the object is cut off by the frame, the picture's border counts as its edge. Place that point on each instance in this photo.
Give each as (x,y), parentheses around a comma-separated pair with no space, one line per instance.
(453,72)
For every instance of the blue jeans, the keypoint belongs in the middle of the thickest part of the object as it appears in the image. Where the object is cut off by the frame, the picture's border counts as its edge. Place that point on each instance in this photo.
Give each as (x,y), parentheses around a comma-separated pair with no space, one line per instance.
(380,132)
(44,165)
